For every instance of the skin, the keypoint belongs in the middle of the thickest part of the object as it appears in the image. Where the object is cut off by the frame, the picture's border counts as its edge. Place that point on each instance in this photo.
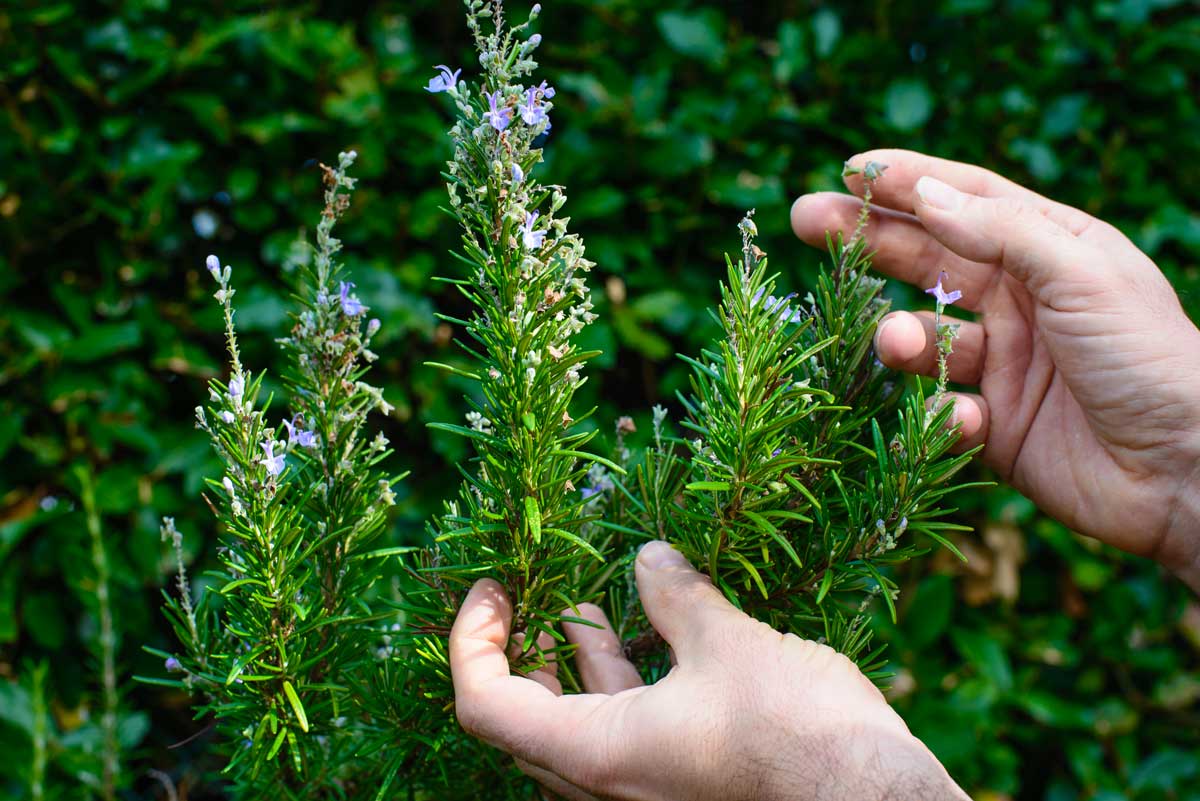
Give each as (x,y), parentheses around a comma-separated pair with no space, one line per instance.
(1088,372)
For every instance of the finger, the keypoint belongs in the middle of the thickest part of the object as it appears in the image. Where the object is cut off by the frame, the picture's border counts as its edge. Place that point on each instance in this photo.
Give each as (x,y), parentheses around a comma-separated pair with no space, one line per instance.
(514,713)
(971,414)
(902,248)
(553,785)
(547,674)
(896,189)
(1051,262)
(600,657)
(681,603)
(908,342)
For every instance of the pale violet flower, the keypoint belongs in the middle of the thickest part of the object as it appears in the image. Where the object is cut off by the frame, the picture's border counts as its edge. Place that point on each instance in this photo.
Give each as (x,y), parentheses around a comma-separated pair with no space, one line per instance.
(518,174)
(227,416)
(351,306)
(272,462)
(786,313)
(173,665)
(444,81)
(533,239)
(944,298)
(237,385)
(214,266)
(498,118)
(532,112)
(298,436)
(546,91)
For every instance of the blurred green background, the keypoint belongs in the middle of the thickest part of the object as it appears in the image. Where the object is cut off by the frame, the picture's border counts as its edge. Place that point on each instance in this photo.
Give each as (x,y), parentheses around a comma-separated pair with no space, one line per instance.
(136,137)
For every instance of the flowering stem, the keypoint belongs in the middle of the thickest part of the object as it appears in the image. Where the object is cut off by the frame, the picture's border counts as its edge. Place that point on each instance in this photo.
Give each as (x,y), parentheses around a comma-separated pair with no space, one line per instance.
(107,640)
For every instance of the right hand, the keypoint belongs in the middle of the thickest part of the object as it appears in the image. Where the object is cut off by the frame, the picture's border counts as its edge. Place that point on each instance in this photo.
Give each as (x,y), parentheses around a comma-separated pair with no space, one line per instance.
(1087,366)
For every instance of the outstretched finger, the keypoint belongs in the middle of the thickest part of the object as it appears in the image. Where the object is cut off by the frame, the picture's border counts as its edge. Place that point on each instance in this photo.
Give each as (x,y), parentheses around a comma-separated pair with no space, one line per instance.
(600,657)
(1056,266)
(908,341)
(902,248)
(896,189)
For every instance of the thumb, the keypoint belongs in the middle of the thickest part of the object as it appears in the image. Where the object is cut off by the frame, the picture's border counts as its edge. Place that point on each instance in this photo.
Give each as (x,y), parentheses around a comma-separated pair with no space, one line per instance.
(1038,252)
(681,603)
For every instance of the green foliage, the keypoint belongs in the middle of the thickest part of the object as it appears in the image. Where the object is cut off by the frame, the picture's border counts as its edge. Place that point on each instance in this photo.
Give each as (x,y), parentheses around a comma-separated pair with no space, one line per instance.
(793,494)
(136,138)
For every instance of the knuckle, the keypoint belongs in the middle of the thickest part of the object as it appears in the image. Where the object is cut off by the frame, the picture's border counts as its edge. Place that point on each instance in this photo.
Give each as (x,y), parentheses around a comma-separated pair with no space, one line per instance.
(1007,210)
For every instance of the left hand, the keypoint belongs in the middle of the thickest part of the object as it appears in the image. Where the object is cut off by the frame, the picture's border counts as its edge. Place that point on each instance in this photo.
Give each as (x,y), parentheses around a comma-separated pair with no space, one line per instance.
(747,712)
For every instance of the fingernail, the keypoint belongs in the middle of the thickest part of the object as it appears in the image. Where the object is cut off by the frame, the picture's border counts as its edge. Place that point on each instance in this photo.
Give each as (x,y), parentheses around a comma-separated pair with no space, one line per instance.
(658,554)
(879,331)
(939,195)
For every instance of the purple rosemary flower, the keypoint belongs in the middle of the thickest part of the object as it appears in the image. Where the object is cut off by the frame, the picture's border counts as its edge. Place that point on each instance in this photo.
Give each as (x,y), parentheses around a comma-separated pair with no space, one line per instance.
(298,436)
(444,81)
(589,492)
(535,40)
(546,91)
(944,298)
(237,385)
(173,665)
(518,174)
(786,313)
(273,463)
(533,239)
(227,417)
(351,307)
(214,266)
(498,118)
(532,112)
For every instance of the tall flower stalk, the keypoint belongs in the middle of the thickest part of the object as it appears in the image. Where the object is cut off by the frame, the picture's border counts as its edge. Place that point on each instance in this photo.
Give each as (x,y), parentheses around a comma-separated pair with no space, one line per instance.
(520,511)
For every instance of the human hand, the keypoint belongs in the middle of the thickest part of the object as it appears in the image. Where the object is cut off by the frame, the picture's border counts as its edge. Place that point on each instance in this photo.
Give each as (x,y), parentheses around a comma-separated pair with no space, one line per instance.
(1088,368)
(746,713)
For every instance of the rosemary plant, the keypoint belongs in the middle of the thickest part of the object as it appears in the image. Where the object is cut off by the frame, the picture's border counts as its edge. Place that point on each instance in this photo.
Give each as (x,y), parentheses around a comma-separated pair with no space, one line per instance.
(284,647)
(805,470)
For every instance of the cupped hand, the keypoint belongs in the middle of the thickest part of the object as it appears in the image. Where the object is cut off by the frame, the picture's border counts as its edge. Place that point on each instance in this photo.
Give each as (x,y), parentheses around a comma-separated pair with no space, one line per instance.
(1087,366)
(745,713)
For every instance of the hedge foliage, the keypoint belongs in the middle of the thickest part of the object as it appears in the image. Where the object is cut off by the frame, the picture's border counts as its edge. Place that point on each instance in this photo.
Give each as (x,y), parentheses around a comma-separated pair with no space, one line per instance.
(138,136)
